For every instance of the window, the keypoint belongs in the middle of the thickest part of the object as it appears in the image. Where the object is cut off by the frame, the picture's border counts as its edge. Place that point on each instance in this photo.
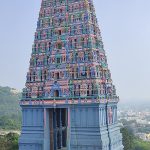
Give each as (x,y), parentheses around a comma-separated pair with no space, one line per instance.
(34,76)
(75,43)
(83,71)
(58,60)
(59,46)
(47,60)
(57,75)
(56,93)
(45,75)
(87,90)
(59,32)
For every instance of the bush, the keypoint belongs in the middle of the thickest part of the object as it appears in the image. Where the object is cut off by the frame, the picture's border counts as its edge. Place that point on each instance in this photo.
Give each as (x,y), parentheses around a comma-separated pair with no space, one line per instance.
(9,141)
(130,142)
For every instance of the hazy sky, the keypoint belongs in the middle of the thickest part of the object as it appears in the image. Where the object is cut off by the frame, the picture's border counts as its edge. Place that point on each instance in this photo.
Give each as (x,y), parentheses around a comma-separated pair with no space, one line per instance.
(125,27)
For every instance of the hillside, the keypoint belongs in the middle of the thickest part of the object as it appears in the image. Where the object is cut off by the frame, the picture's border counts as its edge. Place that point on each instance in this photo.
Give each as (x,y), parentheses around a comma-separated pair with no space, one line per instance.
(10,113)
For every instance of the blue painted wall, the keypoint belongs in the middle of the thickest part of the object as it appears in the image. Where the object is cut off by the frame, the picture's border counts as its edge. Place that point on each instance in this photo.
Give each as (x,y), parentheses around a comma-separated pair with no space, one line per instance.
(32,135)
(89,129)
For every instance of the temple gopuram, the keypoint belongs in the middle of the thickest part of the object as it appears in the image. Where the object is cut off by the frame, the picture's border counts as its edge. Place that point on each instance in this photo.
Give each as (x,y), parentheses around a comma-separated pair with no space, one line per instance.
(69,101)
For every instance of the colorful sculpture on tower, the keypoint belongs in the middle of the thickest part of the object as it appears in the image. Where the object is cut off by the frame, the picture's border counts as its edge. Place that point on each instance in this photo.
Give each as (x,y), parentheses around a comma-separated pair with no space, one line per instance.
(69,102)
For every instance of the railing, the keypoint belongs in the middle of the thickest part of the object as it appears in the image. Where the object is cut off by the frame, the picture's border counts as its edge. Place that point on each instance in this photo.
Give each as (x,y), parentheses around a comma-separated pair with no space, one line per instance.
(68,101)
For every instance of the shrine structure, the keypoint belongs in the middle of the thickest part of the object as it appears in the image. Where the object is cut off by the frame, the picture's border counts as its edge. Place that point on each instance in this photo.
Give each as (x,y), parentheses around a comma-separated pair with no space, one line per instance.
(69,101)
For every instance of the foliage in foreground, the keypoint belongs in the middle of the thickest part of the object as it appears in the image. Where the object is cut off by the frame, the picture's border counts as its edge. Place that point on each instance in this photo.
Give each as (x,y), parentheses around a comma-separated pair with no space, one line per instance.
(141,145)
(130,142)
(9,141)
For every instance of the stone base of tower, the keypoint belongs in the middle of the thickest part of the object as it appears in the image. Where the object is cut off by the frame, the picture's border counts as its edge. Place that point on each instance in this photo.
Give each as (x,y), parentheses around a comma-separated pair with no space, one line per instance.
(32,135)
(74,127)
(89,129)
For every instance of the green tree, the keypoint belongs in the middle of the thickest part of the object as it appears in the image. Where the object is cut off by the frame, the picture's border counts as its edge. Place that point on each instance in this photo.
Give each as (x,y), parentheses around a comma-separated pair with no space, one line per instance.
(127,139)
(9,142)
(12,141)
(130,142)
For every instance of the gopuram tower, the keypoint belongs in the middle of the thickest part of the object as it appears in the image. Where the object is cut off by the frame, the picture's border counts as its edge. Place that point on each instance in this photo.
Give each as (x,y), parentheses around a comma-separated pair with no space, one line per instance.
(69,101)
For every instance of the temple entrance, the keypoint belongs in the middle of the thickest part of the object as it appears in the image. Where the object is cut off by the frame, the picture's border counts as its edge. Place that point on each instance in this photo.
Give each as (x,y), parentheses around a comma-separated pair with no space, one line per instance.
(58,128)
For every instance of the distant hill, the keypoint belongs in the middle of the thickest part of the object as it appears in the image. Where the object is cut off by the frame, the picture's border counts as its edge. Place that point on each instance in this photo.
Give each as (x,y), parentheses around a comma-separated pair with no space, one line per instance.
(10,113)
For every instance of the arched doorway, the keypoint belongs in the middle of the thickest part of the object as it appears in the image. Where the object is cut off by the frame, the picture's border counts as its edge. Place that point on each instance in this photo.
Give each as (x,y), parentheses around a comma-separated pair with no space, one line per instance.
(57,75)
(56,93)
